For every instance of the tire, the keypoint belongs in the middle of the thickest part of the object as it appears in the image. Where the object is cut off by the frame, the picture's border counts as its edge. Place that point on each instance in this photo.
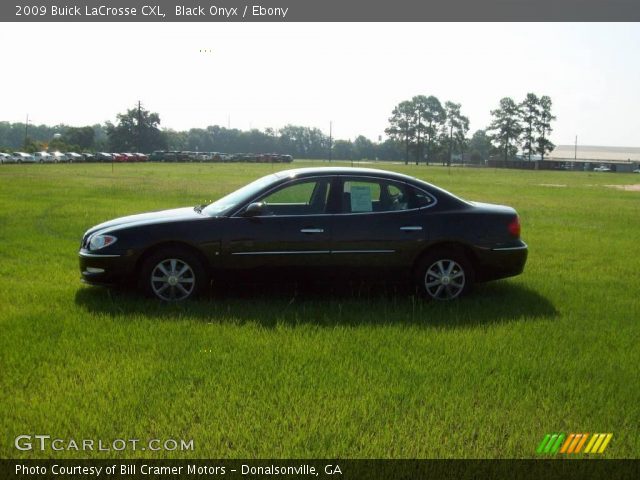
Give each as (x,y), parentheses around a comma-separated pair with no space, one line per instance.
(172,275)
(444,275)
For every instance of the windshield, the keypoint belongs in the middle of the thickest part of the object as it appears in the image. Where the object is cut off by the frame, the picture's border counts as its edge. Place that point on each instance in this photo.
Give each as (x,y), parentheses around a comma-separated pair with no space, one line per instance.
(236,198)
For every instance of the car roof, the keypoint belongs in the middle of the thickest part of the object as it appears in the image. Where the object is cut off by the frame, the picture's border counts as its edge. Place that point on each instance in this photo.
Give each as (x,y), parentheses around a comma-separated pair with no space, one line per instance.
(310,171)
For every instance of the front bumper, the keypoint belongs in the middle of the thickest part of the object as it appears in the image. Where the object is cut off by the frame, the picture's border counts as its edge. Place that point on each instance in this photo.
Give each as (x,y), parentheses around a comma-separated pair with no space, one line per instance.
(105,269)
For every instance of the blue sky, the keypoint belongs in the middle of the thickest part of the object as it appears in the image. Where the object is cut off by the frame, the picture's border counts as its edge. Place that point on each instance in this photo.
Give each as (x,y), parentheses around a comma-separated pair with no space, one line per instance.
(268,75)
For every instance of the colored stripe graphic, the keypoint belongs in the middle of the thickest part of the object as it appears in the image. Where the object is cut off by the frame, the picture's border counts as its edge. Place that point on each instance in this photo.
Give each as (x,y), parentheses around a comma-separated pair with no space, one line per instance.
(581,443)
(544,441)
(567,443)
(591,442)
(554,443)
(555,448)
(606,442)
(550,443)
(598,443)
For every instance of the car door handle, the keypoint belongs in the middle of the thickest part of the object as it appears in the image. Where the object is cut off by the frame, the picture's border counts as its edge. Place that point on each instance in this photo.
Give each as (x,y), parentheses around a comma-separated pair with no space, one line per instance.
(312,230)
(411,228)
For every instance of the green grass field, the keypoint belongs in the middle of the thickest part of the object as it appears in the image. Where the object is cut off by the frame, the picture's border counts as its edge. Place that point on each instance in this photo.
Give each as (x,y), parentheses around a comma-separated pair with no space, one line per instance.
(362,374)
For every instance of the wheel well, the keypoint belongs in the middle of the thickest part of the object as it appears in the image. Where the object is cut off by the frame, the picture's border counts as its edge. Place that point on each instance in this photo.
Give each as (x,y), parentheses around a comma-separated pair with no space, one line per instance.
(184,246)
(456,247)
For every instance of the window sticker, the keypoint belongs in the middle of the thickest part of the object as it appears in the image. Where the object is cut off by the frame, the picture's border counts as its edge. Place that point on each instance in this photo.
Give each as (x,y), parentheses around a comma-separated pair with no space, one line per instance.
(361,198)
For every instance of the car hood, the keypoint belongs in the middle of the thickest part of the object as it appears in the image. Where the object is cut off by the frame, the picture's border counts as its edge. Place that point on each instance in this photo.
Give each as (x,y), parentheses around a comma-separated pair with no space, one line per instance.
(162,216)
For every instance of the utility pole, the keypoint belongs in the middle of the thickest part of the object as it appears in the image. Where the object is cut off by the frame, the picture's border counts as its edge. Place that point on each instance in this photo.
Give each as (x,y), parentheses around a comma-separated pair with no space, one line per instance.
(450,144)
(330,140)
(575,149)
(26,132)
(139,125)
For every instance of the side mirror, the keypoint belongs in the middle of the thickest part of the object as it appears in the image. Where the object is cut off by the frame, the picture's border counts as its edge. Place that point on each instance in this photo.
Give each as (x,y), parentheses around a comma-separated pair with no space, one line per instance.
(255,209)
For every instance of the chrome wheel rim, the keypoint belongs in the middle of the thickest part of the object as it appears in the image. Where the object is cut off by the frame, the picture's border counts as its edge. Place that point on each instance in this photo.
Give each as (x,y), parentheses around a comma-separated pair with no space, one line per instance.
(444,280)
(172,280)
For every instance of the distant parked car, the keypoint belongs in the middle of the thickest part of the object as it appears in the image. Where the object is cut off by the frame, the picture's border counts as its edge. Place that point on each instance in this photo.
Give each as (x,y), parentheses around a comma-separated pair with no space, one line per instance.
(104,157)
(59,157)
(202,157)
(141,157)
(89,157)
(129,157)
(6,158)
(21,157)
(157,156)
(183,156)
(170,157)
(43,157)
(602,168)
(119,157)
(74,157)
(637,170)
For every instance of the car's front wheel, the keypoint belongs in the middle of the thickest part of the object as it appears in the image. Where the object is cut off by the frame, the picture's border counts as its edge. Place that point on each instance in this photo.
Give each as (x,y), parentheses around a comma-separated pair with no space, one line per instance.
(444,275)
(172,275)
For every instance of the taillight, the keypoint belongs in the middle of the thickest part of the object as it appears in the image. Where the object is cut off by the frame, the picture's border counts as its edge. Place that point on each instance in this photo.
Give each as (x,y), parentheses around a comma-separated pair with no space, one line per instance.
(514,227)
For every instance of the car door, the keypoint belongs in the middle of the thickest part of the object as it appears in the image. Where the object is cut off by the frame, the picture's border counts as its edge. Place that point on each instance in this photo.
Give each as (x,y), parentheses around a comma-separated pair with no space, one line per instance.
(380,225)
(289,235)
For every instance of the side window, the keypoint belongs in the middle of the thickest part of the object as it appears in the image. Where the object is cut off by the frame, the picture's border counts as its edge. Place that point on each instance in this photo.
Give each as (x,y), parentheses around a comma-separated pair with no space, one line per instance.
(360,196)
(302,198)
(363,196)
(300,193)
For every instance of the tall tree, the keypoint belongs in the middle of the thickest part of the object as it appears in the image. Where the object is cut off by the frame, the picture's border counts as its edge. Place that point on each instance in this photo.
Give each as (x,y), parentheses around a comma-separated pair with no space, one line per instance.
(136,130)
(343,149)
(401,126)
(506,127)
(530,113)
(543,127)
(480,146)
(83,137)
(428,110)
(457,126)
(364,148)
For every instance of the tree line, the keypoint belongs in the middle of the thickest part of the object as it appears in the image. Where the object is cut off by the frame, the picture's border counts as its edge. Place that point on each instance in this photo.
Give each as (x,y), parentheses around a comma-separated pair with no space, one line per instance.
(432,131)
(421,129)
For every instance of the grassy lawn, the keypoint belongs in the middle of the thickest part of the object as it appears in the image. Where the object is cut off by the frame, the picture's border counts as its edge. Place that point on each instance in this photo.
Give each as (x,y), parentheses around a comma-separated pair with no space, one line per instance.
(361,374)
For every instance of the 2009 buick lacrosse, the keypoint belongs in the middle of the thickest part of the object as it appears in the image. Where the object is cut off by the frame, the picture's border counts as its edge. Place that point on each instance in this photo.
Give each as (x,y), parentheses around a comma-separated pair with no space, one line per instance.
(311,222)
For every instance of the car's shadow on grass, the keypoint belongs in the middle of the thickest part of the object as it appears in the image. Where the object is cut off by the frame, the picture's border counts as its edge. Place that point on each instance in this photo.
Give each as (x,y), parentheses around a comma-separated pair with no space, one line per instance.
(329,305)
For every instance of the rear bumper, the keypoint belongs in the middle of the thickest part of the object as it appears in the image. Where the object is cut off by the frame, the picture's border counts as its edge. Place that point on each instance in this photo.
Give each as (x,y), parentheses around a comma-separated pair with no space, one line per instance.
(106,270)
(503,262)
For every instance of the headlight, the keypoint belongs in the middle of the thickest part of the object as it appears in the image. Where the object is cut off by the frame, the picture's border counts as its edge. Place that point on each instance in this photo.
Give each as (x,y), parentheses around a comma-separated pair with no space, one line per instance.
(100,241)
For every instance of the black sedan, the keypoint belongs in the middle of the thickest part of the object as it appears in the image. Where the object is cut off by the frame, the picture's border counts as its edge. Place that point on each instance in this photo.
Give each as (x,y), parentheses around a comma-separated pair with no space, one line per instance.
(339,222)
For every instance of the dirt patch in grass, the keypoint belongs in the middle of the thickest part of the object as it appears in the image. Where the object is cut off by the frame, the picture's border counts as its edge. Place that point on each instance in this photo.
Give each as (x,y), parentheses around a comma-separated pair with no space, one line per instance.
(627,188)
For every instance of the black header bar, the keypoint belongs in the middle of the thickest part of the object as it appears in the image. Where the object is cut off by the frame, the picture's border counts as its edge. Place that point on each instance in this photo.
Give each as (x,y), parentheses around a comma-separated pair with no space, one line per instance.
(318,10)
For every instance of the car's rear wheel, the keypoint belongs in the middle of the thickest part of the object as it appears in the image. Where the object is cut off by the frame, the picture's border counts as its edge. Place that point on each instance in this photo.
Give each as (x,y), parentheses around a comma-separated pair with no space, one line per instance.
(444,275)
(172,275)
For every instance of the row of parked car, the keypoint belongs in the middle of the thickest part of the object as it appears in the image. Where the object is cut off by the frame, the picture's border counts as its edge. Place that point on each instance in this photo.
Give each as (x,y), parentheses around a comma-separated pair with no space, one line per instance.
(157,156)
(70,157)
(183,156)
